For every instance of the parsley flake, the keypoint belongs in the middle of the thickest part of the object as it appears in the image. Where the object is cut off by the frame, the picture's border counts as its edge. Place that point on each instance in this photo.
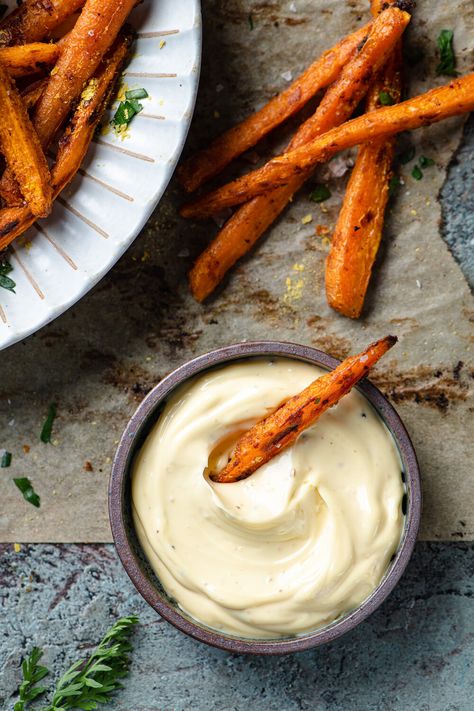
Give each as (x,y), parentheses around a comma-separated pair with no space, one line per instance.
(5,460)
(417,173)
(26,488)
(129,108)
(5,281)
(320,193)
(385,98)
(47,428)
(425,162)
(136,94)
(250,20)
(447,63)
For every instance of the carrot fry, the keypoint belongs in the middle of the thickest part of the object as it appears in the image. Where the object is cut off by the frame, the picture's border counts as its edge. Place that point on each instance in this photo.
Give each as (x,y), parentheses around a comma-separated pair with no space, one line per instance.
(33,92)
(22,150)
(452,99)
(358,231)
(244,228)
(24,59)
(279,430)
(92,35)
(35,19)
(77,137)
(212,160)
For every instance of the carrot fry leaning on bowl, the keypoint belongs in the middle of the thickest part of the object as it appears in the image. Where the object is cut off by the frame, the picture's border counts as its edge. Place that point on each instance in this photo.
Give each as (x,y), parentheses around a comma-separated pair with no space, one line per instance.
(279,430)
(20,145)
(34,20)
(223,150)
(86,44)
(77,137)
(340,100)
(24,59)
(453,99)
(358,231)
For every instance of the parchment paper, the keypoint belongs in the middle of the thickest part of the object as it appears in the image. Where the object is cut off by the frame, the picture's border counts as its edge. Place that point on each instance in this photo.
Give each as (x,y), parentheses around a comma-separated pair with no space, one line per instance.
(99,359)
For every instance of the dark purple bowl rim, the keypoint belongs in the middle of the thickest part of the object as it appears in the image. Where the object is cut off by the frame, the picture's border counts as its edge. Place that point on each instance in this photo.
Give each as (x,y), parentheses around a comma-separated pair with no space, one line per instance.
(122,533)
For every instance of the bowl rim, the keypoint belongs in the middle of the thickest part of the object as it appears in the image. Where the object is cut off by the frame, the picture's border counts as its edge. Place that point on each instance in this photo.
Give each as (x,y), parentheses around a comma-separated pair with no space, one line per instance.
(120,473)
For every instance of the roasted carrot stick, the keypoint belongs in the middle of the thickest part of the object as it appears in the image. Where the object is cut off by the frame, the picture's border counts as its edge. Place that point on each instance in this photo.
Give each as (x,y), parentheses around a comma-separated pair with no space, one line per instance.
(452,99)
(238,139)
(92,35)
(24,59)
(35,19)
(22,150)
(358,231)
(279,430)
(244,228)
(86,44)
(77,137)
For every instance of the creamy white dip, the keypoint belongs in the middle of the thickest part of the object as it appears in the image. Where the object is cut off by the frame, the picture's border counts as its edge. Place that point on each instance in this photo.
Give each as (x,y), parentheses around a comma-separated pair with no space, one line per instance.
(303,540)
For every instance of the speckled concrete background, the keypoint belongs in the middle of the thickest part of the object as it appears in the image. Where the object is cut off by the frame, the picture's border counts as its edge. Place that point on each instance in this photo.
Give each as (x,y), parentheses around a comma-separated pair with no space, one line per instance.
(414,654)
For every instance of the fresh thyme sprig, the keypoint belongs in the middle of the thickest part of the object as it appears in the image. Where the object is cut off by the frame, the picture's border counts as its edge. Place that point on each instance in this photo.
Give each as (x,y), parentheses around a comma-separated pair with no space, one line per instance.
(32,674)
(88,682)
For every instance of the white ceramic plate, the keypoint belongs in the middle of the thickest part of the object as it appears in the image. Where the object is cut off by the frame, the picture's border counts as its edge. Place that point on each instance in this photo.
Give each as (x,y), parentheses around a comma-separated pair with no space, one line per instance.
(100,214)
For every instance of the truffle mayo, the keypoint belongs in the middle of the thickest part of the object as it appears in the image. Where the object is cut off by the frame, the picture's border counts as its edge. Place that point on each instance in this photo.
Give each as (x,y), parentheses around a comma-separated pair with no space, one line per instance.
(300,542)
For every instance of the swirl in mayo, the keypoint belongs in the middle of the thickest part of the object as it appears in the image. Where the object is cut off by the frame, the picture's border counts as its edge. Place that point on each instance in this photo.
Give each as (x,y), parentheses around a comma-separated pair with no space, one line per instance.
(296,545)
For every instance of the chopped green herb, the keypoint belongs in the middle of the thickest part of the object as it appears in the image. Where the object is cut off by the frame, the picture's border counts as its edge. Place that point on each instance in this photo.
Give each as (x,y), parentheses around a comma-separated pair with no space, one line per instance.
(136,106)
(3,10)
(26,488)
(416,173)
(125,112)
(32,674)
(320,193)
(6,459)
(425,162)
(5,281)
(250,19)
(45,435)
(393,184)
(407,155)
(447,64)
(385,98)
(88,683)
(136,94)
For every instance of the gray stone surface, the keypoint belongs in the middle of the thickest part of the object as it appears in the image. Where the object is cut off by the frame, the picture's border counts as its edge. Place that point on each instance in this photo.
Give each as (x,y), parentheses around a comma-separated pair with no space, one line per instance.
(416,653)
(457,203)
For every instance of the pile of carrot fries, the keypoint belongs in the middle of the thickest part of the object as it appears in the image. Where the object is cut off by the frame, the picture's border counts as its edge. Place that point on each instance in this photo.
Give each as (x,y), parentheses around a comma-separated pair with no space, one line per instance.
(65,88)
(366,64)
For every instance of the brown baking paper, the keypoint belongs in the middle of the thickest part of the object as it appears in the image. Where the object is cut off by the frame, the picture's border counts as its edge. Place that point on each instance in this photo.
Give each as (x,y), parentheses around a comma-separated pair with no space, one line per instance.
(98,360)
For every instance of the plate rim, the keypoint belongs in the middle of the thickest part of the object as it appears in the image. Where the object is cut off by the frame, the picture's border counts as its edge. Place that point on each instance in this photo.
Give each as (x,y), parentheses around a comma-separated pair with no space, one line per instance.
(20,335)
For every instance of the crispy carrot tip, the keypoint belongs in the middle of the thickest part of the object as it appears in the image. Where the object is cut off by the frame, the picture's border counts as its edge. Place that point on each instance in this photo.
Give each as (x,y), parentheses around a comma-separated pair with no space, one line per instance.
(280,430)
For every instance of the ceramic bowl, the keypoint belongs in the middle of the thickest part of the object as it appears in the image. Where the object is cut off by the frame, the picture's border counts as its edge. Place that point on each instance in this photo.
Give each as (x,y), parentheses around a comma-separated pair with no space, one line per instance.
(126,539)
